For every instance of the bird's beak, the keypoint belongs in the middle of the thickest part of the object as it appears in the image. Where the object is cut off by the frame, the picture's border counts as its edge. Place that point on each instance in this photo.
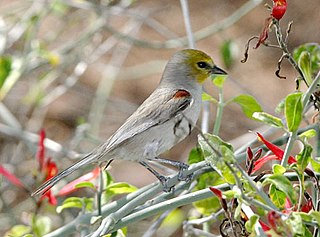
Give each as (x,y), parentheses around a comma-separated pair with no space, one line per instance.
(217,70)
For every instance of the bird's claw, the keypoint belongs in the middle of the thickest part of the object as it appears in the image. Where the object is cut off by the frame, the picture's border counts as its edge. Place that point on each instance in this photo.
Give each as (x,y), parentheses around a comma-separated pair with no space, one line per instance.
(165,185)
(182,176)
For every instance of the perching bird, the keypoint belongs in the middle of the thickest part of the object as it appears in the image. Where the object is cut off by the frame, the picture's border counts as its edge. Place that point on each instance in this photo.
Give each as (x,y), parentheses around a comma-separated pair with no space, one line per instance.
(165,118)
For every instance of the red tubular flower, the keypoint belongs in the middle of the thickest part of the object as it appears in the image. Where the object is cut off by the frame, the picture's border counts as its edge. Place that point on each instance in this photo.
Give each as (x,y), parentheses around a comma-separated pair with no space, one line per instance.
(274,219)
(51,170)
(259,163)
(279,8)
(222,200)
(51,198)
(217,192)
(277,151)
(11,177)
(249,153)
(70,187)
(288,207)
(47,167)
(41,150)
(264,226)
(308,206)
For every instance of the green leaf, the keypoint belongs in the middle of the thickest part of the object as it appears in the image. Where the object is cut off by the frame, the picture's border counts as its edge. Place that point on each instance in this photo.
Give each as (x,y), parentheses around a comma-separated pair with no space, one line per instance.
(218,80)
(211,143)
(280,107)
(315,165)
(313,50)
(268,119)
(217,152)
(248,104)
(304,64)
(17,231)
(228,51)
(234,193)
(304,157)
(118,233)
(209,179)
(207,206)
(308,134)
(108,180)
(172,222)
(195,156)
(293,111)
(305,216)
(296,224)
(76,202)
(278,169)
(207,97)
(120,188)
(5,68)
(283,184)
(85,185)
(253,220)
(316,216)
(42,225)
(72,202)
(277,197)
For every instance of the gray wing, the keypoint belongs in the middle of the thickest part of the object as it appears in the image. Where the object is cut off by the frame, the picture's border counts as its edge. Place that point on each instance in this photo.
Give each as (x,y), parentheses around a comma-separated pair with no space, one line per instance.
(164,107)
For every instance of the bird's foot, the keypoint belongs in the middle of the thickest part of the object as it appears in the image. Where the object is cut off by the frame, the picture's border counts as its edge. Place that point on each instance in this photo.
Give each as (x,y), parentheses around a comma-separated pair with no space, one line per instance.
(165,184)
(181,176)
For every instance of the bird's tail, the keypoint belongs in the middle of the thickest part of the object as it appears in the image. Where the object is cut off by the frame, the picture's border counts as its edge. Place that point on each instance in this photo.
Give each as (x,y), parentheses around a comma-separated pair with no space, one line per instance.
(43,188)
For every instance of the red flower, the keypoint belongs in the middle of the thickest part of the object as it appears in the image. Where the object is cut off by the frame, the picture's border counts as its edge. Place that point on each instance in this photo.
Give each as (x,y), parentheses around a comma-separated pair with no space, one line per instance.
(264,226)
(279,8)
(51,169)
(41,149)
(70,187)
(46,166)
(51,198)
(264,33)
(222,200)
(11,177)
(308,206)
(274,219)
(277,151)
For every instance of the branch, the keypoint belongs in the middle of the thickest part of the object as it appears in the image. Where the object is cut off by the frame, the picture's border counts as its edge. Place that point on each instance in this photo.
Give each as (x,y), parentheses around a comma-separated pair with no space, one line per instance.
(198,35)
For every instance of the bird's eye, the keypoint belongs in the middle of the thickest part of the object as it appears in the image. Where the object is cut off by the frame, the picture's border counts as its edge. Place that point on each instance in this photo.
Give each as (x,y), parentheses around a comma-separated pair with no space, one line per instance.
(202,64)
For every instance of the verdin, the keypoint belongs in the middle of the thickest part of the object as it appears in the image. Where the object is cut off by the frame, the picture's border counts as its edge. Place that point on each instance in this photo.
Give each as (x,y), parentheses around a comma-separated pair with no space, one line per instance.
(165,118)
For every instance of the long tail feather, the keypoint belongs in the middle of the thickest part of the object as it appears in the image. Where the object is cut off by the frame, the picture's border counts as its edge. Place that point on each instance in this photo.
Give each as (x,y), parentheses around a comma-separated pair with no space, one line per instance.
(42,189)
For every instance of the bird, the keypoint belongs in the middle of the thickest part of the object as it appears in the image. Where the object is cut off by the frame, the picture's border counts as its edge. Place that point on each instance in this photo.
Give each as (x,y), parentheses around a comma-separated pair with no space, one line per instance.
(164,119)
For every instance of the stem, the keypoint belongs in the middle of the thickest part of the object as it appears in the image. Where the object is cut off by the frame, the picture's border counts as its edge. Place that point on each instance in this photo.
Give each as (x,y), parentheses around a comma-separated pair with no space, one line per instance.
(283,46)
(292,138)
(199,35)
(187,23)
(160,207)
(293,135)
(260,192)
(301,189)
(100,190)
(220,107)
(192,45)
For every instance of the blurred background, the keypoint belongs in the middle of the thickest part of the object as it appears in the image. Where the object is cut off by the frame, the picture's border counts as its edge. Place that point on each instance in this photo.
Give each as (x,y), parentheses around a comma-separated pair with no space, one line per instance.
(78,69)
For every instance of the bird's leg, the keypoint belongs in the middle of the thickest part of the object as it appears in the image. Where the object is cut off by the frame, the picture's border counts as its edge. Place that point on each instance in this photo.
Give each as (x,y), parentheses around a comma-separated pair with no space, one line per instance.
(163,180)
(178,164)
